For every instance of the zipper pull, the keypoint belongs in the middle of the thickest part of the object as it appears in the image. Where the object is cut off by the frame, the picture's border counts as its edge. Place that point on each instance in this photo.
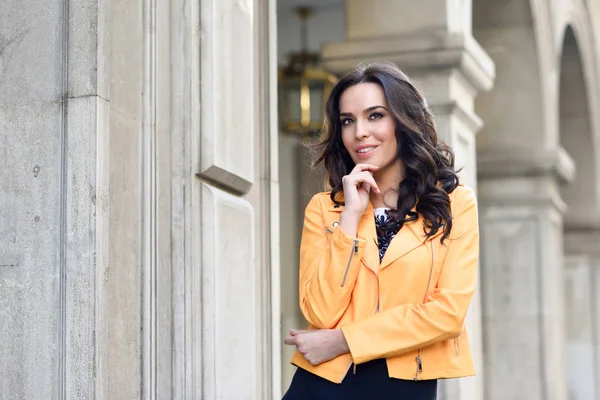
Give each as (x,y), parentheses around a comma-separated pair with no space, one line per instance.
(354,369)
(419,367)
(355,246)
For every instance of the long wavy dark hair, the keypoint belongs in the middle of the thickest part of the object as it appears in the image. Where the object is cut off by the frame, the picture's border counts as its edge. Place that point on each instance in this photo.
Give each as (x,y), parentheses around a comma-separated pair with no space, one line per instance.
(428,163)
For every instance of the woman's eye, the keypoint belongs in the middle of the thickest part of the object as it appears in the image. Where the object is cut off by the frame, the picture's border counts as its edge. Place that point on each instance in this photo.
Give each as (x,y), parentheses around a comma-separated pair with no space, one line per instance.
(346,121)
(376,115)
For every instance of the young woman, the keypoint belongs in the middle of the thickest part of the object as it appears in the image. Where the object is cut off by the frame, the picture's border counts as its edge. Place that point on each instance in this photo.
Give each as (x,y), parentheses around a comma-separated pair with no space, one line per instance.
(388,257)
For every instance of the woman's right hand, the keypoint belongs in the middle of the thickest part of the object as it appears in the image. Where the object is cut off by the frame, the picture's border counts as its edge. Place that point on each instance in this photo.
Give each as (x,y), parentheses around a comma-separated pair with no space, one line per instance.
(357,187)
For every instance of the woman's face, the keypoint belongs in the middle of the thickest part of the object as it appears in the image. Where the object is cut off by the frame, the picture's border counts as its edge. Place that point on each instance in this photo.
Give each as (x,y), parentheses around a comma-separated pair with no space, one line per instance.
(368,128)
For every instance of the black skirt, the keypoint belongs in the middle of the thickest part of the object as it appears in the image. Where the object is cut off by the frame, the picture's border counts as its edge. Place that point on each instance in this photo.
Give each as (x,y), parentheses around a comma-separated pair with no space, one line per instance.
(371,381)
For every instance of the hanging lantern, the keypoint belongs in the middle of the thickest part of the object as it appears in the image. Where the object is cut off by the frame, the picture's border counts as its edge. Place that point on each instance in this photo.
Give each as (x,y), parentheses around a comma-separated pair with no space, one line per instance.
(303,88)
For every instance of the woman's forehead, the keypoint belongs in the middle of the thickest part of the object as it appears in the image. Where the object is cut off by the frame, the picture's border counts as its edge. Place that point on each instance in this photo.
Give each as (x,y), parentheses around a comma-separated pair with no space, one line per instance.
(359,97)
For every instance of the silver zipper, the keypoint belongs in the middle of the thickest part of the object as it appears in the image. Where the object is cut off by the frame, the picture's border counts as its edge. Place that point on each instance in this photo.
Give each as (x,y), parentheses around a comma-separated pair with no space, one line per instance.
(419,366)
(354,251)
(418,359)
(328,229)
(378,295)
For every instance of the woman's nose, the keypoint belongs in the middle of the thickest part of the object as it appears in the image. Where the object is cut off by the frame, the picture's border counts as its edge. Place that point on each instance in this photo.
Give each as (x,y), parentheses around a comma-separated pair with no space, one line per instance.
(362,130)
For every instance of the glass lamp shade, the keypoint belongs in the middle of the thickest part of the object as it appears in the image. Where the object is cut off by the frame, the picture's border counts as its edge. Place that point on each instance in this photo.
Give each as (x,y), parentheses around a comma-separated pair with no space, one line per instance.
(302,97)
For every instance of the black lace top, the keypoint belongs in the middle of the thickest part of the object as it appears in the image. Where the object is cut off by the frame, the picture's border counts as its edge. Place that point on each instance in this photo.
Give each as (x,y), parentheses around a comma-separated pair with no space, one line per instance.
(386,230)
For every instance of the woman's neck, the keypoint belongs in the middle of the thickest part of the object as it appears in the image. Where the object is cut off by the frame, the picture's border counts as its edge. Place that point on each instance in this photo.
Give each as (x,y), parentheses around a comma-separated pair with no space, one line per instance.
(388,179)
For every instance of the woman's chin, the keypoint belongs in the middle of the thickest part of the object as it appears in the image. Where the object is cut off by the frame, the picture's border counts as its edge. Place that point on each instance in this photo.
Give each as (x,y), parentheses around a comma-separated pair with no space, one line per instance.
(367,160)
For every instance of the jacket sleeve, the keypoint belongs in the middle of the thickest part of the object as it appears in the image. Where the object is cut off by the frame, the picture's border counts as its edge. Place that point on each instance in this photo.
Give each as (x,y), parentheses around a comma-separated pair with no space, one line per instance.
(329,265)
(408,327)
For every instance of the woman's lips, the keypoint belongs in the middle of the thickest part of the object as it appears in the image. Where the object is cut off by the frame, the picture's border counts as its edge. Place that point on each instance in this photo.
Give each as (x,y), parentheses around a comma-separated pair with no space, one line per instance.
(365,151)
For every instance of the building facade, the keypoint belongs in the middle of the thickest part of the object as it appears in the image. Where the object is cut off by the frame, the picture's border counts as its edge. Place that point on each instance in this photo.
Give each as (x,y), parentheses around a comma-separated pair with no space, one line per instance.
(150,207)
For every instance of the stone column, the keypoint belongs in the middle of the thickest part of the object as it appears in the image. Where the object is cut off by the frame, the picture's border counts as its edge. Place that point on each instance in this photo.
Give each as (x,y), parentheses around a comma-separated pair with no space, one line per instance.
(434,46)
(582,303)
(234,156)
(522,273)
(70,221)
(580,282)
(138,206)
(33,201)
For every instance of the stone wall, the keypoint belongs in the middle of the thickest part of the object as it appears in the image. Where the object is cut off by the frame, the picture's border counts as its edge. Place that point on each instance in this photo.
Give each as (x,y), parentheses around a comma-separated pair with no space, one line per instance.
(137,200)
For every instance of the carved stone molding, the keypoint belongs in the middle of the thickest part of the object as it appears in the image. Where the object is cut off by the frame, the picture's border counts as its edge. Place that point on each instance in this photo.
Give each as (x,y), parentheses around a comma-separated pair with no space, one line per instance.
(433,50)
(499,163)
(227,93)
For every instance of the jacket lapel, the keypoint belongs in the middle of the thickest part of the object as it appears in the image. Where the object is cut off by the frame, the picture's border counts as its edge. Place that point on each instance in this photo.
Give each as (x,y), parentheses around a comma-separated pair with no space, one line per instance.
(406,240)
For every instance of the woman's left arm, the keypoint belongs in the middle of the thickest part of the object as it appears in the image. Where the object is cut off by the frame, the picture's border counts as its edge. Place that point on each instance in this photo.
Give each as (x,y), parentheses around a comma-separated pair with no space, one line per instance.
(408,327)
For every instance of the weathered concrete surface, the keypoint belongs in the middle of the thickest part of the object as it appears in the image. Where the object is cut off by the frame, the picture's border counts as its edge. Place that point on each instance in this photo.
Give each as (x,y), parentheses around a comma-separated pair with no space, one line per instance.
(31,141)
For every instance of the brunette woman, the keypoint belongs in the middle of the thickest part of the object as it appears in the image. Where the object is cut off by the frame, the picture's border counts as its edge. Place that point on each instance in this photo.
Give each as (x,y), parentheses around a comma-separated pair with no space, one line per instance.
(388,257)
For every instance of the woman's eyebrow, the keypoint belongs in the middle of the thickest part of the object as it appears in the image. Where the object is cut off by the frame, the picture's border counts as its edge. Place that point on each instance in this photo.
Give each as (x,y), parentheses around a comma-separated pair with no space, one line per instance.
(366,110)
(374,108)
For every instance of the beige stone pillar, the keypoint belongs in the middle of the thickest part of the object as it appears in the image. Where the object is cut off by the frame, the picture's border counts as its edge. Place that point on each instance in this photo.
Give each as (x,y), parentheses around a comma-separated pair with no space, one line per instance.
(522,273)
(299,182)
(521,170)
(70,220)
(291,228)
(582,303)
(434,46)
(138,200)
(580,284)
(235,325)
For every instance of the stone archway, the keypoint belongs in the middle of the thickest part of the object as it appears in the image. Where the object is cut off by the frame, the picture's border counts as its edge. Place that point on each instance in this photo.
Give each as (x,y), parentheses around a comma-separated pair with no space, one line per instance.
(581,217)
(577,138)
(516,105)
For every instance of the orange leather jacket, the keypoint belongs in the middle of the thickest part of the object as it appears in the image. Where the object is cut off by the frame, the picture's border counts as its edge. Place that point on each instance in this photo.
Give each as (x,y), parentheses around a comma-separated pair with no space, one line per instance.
(409,309)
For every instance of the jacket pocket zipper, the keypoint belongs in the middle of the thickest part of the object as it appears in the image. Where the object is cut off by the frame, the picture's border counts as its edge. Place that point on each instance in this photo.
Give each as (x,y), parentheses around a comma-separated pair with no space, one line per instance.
(419,366)
(354,251)
(330,230)
(418,359)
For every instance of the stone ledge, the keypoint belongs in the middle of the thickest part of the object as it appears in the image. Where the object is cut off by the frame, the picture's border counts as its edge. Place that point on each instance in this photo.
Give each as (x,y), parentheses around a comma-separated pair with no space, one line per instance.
(513,162)
(425,50)
(583,242)
(467,117)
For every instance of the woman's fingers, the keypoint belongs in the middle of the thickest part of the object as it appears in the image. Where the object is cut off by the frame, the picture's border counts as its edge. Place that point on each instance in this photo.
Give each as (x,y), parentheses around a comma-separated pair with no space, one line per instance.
(357,186)
(369,182)
(364,167)
(361,178)
(290,340)
(295,332)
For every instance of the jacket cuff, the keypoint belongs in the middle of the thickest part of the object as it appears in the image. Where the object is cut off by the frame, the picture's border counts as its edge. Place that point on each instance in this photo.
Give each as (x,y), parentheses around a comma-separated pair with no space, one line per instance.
(354,339)
(342,240)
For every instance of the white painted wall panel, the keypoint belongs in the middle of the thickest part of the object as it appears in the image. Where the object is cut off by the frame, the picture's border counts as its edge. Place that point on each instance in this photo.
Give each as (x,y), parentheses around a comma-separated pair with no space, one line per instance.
(227,93)
(228,296)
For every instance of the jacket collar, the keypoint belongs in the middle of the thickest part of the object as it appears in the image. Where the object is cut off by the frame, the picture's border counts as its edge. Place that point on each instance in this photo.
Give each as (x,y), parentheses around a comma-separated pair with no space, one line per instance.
(406,240)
